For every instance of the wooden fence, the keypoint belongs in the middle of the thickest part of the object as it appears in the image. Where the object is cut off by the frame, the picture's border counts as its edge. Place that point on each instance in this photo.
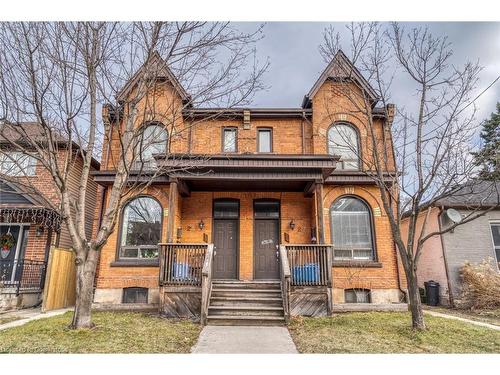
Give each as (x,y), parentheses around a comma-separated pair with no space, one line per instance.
(59,291)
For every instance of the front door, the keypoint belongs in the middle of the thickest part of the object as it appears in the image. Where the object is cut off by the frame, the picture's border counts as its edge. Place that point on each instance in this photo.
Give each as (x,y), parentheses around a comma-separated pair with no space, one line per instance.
(10,235)
(226,238)
(266,240)
(225,242)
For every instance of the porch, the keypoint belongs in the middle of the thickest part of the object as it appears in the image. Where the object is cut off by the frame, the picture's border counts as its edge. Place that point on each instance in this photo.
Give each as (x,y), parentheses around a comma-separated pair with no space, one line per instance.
(189,290)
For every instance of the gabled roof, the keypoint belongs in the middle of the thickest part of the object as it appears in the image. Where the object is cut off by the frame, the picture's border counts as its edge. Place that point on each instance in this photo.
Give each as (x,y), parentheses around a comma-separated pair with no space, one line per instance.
(340,68)
(32,132)
(14,194)
(160,68)
(475,193)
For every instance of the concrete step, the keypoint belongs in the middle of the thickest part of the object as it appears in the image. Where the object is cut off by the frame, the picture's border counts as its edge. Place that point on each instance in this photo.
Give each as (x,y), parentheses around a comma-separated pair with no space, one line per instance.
(246,285)
(264,311)
(238,301)
(246,293)
(248,320)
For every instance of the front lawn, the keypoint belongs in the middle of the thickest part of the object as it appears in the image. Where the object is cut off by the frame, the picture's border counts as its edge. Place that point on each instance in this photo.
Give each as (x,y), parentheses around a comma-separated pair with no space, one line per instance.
(115,332)
(390,332)
(7,319)
(491,316)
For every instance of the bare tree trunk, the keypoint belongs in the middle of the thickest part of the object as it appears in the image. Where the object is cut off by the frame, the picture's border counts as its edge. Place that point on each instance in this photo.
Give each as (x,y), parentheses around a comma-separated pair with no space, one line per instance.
(417,314)
(85,276)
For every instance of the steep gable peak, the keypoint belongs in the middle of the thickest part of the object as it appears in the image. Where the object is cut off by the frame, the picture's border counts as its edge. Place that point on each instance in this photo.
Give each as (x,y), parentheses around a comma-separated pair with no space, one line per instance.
(340,67)
(158,68)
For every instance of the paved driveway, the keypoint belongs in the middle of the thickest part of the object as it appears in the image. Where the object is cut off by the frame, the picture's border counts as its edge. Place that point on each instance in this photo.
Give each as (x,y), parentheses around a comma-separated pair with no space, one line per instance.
(244,339)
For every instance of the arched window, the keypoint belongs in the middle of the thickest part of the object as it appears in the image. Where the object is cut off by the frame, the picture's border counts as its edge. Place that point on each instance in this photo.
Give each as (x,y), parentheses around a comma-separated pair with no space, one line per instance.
(153,140)
(351,228)
(343,141)
(141,229)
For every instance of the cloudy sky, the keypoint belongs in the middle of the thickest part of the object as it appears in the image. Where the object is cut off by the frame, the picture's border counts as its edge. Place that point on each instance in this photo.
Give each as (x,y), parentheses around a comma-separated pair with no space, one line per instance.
(292,49)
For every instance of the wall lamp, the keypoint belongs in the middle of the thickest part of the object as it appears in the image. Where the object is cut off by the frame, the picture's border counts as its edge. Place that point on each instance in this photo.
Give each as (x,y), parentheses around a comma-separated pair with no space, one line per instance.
(201,224)
(39,231)
(291,224)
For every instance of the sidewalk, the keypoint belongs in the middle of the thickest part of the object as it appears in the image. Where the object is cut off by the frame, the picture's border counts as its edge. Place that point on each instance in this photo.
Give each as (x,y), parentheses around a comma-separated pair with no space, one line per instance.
(245,340)
(482,324)
(29,315)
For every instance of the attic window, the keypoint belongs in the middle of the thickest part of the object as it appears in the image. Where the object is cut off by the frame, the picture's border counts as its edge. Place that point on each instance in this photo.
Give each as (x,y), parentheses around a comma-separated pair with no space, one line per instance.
(17,164)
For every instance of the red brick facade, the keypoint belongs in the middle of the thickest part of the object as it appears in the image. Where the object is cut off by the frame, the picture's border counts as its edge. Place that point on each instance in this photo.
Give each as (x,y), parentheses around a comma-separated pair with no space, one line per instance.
(293,135)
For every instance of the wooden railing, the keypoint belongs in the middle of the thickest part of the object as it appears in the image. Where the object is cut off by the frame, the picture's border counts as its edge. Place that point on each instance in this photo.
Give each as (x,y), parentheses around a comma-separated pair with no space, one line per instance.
(182,263)
(285,281)
(310,265)
(206,282)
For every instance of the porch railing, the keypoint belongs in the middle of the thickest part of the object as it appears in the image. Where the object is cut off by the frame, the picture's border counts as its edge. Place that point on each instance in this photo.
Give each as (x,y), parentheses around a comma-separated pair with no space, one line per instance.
(182,263)
(285,277)
(310,265)
(206,282)
(23,275)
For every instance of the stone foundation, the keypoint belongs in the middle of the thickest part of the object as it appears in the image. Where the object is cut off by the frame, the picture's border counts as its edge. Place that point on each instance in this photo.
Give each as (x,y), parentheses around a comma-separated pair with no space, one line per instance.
(9,301)
(378,296)
(113,296)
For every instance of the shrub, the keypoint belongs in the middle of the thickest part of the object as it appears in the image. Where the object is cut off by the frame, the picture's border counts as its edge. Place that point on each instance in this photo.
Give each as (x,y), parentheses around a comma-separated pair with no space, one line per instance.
(481,285)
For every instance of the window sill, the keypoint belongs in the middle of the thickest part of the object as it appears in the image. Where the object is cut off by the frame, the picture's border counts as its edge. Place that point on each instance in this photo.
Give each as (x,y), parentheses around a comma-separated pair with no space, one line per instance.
(135,263)
(356,263)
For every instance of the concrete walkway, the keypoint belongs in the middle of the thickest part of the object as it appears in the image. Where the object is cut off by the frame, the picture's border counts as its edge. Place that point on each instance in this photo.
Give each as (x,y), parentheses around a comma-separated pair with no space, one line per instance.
(29,315)
(244,340)
(475,322)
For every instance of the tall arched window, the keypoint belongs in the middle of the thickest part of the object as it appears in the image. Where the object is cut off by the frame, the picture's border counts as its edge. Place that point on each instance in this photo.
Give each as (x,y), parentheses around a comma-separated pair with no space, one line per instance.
(153,140)
(351,228)
(141,229)
(343,141)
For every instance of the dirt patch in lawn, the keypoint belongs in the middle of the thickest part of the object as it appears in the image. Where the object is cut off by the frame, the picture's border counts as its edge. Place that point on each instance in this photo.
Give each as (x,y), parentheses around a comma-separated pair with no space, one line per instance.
(115,332)
(378,332)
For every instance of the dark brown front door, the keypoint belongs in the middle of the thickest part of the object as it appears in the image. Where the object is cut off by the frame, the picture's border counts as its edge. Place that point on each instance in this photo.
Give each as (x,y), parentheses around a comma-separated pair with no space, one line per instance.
(266,241)
(226,245)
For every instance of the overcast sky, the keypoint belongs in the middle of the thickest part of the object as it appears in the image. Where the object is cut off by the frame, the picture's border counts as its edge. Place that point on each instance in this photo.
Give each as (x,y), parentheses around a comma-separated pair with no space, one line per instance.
(292,49)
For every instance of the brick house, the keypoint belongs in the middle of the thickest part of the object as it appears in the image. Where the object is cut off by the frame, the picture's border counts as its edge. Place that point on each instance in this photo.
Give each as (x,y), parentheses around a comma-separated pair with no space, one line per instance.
(29,216)
(479,240)
(268,184)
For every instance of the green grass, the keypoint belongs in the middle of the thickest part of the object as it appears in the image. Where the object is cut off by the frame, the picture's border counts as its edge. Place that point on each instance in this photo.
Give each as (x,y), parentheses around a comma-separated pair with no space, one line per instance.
(491,316)
(8,319)
(115,332)
(390,332)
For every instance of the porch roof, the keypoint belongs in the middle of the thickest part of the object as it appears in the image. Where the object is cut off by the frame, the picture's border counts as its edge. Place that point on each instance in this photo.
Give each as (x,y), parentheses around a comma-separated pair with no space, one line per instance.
(248,172)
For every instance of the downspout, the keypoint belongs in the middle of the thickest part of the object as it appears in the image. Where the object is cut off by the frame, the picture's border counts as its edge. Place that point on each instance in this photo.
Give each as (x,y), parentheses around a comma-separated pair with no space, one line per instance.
(450,294)
(302,135)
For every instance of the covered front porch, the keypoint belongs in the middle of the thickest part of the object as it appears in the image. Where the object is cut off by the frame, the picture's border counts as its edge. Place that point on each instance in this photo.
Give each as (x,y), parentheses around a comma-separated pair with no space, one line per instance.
(188,288)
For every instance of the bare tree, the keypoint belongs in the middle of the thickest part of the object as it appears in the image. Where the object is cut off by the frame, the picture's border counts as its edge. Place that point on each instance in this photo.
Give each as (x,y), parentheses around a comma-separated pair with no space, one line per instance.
(59,75)
(432,137)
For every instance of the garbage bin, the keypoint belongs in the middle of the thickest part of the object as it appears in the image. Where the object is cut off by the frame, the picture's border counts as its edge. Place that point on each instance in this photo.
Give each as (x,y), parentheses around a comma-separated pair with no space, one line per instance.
(432,292)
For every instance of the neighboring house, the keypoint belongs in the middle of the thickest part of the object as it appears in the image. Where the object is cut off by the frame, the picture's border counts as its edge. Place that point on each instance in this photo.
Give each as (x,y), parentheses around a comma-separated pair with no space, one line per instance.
(30,222)
(264,177)
(443,255)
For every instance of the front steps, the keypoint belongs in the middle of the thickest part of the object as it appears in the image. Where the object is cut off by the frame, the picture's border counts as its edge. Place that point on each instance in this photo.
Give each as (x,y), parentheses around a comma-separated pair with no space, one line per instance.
(246,303)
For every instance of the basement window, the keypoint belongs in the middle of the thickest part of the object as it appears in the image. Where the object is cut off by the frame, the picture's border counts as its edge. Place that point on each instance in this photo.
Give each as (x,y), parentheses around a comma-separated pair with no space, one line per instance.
(135,295)
(357,296)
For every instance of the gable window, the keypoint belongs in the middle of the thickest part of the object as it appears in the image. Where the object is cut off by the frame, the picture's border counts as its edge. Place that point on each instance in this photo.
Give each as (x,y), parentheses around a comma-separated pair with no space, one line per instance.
(141,229)
(351,228)
(153,140)
(343,141)
(264,140)
(229,139)
(495,233)
(135,295)
(17,164)
(357,296)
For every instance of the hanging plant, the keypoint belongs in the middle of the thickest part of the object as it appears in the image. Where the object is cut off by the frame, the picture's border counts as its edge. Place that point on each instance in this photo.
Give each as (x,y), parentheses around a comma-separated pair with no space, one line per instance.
(7,242)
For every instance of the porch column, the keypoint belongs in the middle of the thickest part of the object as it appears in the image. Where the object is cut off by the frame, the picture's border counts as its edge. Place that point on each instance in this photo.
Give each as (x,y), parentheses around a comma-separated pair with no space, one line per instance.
(172,205)
(319,212)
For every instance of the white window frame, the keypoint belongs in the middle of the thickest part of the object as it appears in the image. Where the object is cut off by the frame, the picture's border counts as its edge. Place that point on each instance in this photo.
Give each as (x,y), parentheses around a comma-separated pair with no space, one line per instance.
(19,164)
(494,223)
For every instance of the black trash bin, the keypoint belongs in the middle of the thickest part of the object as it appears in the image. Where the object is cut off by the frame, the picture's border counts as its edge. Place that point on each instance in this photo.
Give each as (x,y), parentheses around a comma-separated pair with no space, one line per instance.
(432,292)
